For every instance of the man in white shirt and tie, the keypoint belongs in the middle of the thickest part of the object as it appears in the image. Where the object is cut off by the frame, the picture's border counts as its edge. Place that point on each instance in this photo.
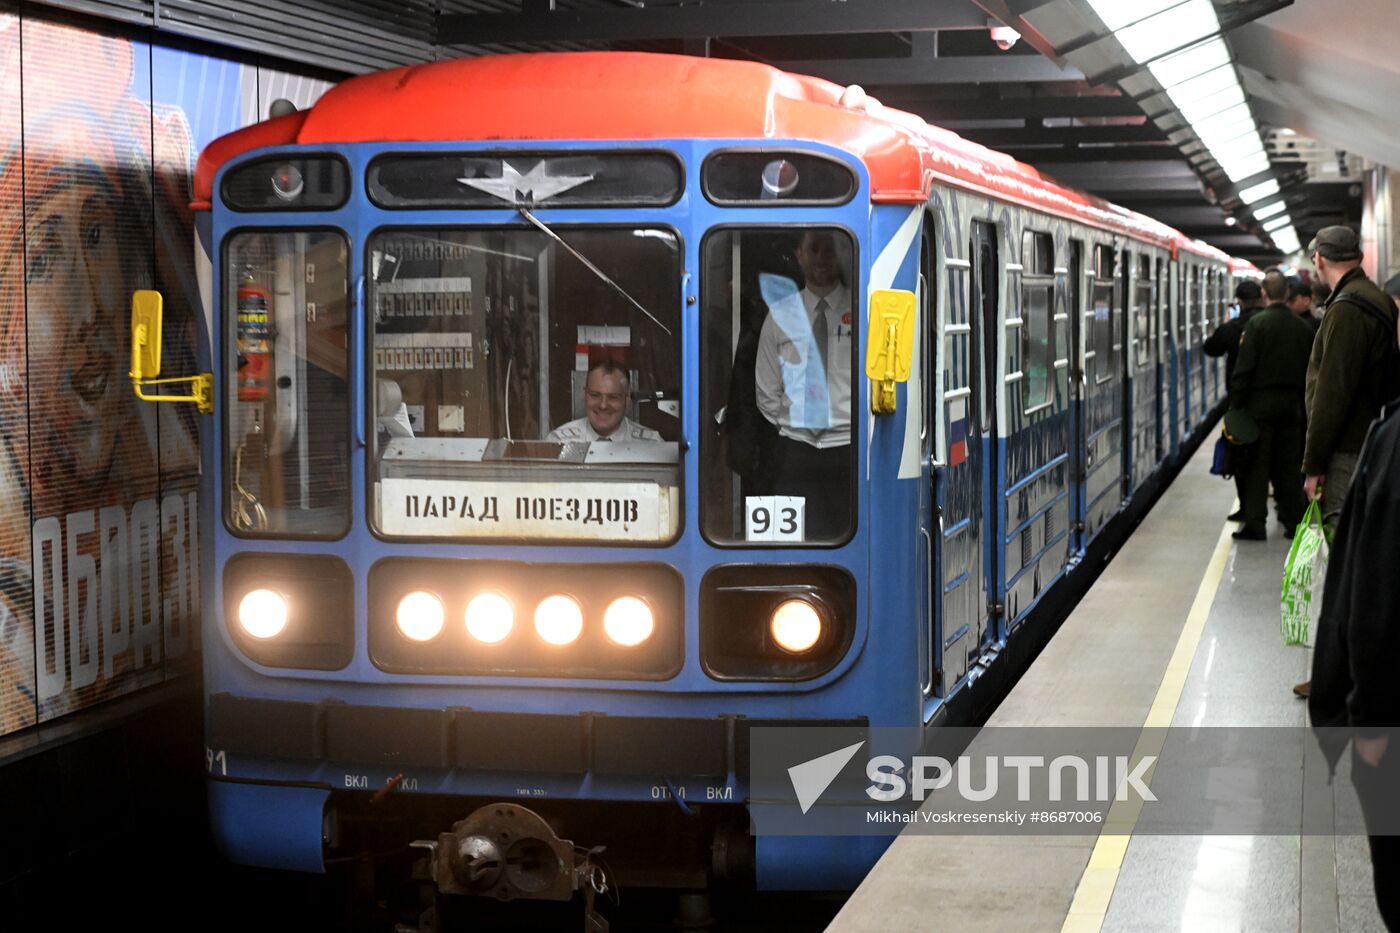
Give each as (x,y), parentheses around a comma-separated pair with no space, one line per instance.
(606,394)
(802,381)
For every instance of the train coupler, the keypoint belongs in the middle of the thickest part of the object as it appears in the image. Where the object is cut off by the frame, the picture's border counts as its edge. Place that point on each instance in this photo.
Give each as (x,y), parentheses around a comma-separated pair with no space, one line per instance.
(507,851)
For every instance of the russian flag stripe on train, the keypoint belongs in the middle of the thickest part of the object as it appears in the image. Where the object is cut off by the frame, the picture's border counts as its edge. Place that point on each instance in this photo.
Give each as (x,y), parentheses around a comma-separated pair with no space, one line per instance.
(957,432)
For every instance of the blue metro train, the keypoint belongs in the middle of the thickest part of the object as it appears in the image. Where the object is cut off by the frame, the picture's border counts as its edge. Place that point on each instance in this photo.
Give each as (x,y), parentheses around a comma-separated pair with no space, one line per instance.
(502,563)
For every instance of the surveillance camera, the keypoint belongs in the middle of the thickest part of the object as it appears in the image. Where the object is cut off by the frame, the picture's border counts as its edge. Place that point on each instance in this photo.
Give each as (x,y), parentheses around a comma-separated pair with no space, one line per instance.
(1004,36)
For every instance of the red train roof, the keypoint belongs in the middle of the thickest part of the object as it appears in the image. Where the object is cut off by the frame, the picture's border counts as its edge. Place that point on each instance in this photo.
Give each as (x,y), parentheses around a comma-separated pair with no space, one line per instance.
(635,95)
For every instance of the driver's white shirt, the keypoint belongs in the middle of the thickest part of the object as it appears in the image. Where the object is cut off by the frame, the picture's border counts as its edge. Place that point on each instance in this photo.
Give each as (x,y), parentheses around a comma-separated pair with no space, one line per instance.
(580,430)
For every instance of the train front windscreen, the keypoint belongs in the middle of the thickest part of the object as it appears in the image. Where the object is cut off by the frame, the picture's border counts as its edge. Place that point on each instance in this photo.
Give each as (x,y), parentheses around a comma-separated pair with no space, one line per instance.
(526,383)
(521,384)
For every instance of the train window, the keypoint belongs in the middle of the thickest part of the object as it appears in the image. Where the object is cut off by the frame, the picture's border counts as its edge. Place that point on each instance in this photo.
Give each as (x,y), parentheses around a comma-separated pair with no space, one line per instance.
(1037,253)
(1198,307)
(776,179)
(477,179)
(280,183)
(1142,310)
(1037,320)
(288,408)
(1104,334)
(525,387)
(1184,305)
(777,347)
(1105,262)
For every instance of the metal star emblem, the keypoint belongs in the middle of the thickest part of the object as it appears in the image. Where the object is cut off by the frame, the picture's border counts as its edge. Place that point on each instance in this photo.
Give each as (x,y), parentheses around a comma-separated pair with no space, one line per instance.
(532,187)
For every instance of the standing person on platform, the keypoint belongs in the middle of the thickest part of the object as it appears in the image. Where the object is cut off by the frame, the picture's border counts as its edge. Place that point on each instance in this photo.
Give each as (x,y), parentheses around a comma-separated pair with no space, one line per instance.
(1225,341)
(1347,383)
(802,380)
(1268,384)
(1356,693)
(1320,295)
(1300,302)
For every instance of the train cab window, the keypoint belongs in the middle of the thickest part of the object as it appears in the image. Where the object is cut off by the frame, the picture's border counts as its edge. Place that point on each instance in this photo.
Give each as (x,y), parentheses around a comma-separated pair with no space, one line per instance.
(776,179)
(285,297)
(1037,320)
(1104,334)
(284,183)
(777,347)
(525,387)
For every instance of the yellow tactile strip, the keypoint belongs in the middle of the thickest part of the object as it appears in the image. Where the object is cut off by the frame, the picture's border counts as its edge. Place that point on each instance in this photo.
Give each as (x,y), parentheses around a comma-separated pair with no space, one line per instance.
(1091,898)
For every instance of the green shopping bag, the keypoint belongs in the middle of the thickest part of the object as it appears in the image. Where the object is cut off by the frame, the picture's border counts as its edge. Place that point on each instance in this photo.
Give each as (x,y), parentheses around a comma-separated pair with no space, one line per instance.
(1303,574)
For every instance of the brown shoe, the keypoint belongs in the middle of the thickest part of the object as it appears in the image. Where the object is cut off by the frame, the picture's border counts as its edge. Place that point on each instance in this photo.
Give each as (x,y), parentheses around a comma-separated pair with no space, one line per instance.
(1303,689)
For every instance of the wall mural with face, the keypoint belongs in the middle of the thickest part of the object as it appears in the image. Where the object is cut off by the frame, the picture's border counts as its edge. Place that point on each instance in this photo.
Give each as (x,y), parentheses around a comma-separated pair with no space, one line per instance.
(99,578)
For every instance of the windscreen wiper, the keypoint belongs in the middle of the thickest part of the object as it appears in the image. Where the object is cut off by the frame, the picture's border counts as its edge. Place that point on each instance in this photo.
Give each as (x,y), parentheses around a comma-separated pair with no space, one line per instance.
(544,228)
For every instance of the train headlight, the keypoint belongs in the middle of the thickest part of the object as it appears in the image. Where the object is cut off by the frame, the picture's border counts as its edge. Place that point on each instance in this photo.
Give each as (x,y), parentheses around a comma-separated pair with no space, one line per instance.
(559,619)
(490,617)
(796,626)
(628,621)
(420,616)
(263,613)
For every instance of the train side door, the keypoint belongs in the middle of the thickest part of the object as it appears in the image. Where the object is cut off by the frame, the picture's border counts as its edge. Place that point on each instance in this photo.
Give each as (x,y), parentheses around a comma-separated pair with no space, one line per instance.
(1074,297)
(930,506)
(1163,333)
(962,591)
(1129,391)
(1103,407)
(1185,393)
(985,301)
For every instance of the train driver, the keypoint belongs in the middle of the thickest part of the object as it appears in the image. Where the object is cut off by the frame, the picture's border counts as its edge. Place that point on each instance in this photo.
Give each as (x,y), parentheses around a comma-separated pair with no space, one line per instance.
(606,394)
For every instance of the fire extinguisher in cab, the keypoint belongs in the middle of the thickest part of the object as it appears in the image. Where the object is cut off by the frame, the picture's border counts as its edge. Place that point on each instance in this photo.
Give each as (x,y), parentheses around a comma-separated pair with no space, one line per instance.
(254,341)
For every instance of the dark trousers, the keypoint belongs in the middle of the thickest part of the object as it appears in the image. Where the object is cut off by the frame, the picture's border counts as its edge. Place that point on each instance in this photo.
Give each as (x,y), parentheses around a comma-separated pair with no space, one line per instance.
(1277,459)
(1379,792)
(822,476)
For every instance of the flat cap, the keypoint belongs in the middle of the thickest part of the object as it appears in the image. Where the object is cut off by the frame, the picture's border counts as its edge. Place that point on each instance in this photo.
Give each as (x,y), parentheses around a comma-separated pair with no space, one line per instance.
(1248,290)
(1337,243)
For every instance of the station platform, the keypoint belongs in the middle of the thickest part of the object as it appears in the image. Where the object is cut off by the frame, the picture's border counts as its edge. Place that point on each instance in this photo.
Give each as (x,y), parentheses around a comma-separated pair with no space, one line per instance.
(1181,629)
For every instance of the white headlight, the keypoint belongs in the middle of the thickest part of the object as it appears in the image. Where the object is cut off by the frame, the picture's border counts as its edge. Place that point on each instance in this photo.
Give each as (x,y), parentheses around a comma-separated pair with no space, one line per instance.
(558,619)
(628,621)
(420,616)
(796,626)
(490,617)
(263,613)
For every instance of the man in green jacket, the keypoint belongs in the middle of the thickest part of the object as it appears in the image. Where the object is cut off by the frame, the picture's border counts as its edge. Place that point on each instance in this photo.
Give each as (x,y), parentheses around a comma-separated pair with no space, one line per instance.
(1344,381)
(1268,384)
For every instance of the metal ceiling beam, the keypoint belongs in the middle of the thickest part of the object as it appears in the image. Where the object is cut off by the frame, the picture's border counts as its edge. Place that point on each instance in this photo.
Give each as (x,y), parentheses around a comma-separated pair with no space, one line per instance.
(1062,154)
(1232,242)
(1010,14)
(1004,107)
(961,69)
(698,20)
(1182,216)
(1132,178)
(1066,135)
